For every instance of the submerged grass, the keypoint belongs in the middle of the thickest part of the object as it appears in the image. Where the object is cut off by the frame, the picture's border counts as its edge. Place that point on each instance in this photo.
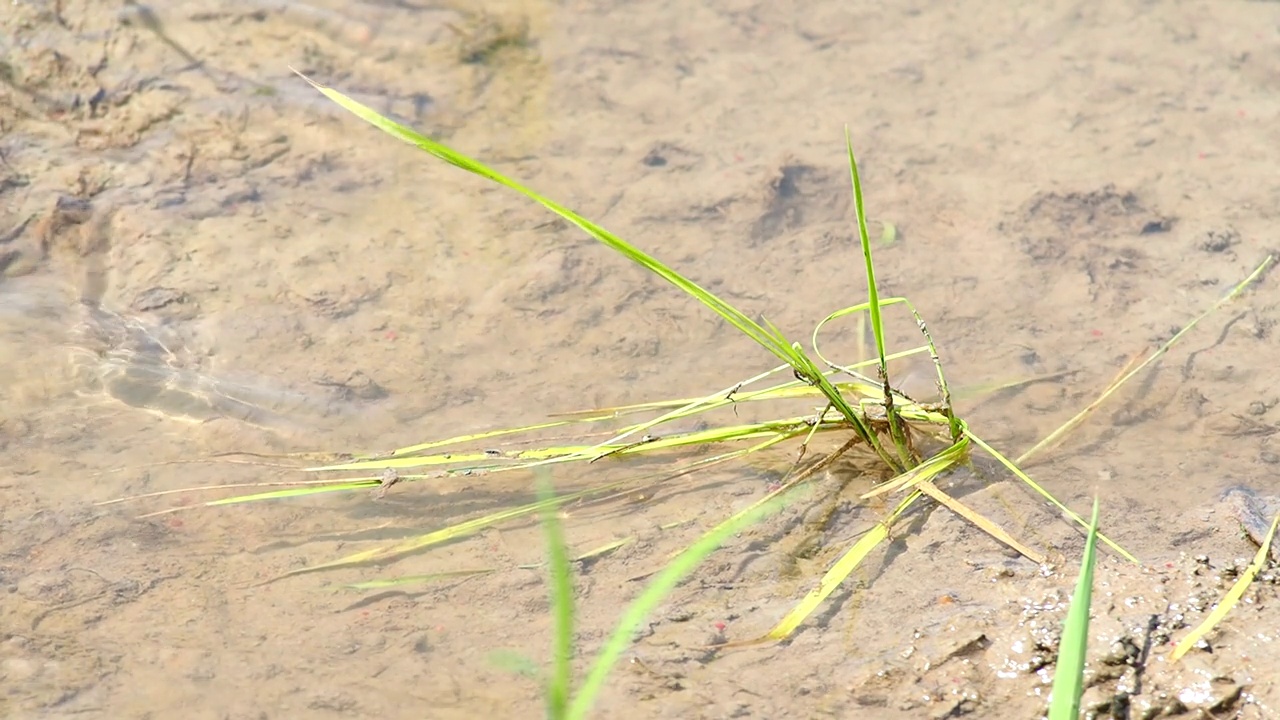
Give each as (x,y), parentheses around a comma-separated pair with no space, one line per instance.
(866,412)
(563,703)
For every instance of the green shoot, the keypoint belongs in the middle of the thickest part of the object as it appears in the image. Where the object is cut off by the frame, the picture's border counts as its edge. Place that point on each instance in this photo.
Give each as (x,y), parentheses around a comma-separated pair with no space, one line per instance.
(896,430)
(1068,679)
(562,704)
(561,582)
(658,589)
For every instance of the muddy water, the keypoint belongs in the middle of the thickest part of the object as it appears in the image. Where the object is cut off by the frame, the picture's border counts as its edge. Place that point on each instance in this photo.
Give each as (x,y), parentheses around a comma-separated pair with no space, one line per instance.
(201,255)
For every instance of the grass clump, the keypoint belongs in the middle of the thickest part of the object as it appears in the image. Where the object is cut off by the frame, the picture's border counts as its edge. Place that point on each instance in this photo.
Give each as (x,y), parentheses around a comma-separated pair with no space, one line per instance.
(886,423)
(915,443)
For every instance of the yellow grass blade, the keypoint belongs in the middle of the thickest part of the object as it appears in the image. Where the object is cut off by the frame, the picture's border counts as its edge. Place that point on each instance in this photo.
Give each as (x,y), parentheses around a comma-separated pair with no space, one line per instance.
(610,447)
(569,453)
(1230,599)
(792,390)
(987,526)
(207,488)
(777,493)
(860,308)
(605,549)
(1001,385)
(836,575)
(1132,367)
(453,532)
(858,552)
(453,458)
(352,484)
(925,471)
(1159,352)
(686,409)
(470,527)
(471,438)
(792,482)
(780,432)
(1047,495)
(921,477)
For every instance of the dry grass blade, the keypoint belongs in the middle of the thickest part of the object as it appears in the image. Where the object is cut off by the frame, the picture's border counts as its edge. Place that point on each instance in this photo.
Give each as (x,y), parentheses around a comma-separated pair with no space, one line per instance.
(925,471)
(1159,352)
(919,481)
(1229,600)
(463,439)
(464,529)
(453,532)
(987,526)
(836,575)
(1026,479)
(534,457)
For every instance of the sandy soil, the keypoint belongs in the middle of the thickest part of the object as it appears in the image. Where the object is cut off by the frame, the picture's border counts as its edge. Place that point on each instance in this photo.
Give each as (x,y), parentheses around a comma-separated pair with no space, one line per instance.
(1072,182)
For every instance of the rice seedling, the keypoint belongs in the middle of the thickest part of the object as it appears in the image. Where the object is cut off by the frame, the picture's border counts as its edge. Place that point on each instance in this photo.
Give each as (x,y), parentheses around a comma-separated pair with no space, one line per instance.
(562,702)
(915,443)
(1068,677)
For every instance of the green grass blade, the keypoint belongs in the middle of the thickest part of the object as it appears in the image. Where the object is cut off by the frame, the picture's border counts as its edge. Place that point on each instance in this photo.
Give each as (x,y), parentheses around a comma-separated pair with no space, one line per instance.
(1068,677)
(735,317)
(561,588)
(661,586)
(896,429)
(769,338)
(847,563)
(873,297)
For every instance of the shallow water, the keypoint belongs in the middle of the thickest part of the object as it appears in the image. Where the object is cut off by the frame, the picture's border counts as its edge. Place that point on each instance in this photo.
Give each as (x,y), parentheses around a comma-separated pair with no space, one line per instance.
(94,356)
(202,255)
